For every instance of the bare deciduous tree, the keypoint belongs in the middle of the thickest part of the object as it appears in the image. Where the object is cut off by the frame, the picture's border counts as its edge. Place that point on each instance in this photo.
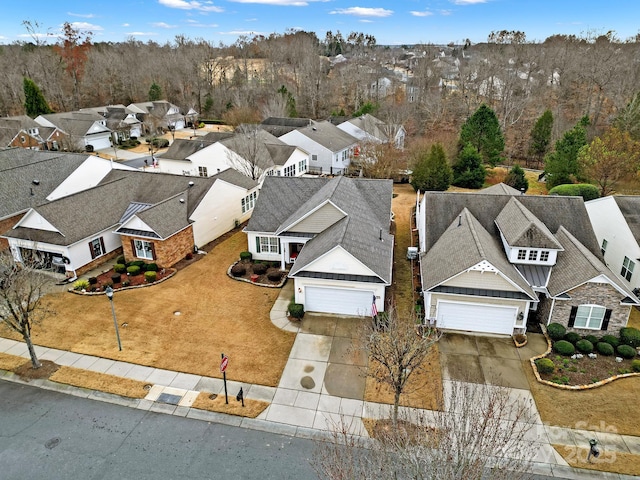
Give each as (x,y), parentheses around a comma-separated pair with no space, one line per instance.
(21,290)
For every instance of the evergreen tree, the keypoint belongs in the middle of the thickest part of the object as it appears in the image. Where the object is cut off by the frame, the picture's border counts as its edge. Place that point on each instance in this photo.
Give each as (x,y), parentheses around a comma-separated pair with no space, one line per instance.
(155,92)
(541,136)
(432,171)
(628,120)
(468,172)
(482,130)
(516,179)
(561,166)
(34,101)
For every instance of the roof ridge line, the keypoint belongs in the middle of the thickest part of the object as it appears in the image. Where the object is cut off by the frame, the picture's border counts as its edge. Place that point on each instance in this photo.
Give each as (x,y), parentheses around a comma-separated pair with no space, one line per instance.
(475,235)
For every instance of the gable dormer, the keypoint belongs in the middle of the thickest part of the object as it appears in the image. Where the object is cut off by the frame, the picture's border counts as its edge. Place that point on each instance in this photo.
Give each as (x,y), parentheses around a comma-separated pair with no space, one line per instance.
(318,220)
(526,240)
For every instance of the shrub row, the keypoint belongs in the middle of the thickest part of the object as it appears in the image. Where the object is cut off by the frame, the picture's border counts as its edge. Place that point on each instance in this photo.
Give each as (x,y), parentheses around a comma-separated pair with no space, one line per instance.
(628,336)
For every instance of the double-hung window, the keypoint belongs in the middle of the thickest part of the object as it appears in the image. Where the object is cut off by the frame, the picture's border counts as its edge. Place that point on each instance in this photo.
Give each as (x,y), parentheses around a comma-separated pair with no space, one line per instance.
(627,268)
(589,316)
(290,171)
(533,255)
(522,254)
(202,171)
(249,201)
(268,244)
(603,247)
(143,249)
(96,246)
(302,166)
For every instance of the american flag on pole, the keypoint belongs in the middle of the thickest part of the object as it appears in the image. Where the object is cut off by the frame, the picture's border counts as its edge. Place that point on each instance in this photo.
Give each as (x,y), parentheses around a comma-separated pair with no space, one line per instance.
(374,309)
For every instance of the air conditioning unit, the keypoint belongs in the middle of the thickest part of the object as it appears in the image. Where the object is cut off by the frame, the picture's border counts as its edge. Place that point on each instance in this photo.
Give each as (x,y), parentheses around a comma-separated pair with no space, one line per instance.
(412,253)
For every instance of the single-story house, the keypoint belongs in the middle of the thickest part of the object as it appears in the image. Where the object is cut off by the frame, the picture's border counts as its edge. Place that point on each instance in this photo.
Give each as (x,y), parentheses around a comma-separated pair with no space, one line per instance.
(369,129)
(148,216)
(491,262)
(24,132)
(83,130)
(616,223)
(332,235)
(158,115)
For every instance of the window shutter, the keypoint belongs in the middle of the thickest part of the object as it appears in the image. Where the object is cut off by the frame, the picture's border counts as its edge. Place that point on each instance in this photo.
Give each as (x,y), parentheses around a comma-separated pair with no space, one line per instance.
(93,254)
(257,244)
(279,247)
(153,250)
(572,316)
(605,321)
(133,248)
(104,250)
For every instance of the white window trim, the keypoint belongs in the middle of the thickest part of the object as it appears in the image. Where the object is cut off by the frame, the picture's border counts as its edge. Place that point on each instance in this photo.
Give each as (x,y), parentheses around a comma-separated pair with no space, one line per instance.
(628,266)
(589,317)
(146,250)
(268,244)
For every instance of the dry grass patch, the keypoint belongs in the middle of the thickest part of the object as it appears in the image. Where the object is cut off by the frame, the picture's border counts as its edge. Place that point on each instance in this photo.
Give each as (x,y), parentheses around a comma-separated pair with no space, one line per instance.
(124,387)
(603,409)
(608,461)
(402,205)
(217,315)
(10,362)
(251,409)
(423,390)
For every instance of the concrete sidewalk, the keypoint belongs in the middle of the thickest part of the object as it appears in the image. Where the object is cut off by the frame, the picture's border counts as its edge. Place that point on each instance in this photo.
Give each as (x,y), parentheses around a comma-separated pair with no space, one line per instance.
(321,386)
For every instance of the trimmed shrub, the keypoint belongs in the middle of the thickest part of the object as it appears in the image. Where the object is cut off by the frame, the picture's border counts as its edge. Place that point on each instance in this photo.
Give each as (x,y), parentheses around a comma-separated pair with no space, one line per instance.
(274,275)
(630,336)
(238,270)
(564,348)
(626,351)
(584,190)
(150,276)
(160,142)
(121,260)
(592,338)
(133,270)
(556,331)
(605,348)
(120,268)
(584,346)
(81,284)
(635,365)
(572,337)
(151,267)
(246,256)
(611,340)
(296,310)
(545,365)
(259,268)
(93,280)
(137,263)
(115,278)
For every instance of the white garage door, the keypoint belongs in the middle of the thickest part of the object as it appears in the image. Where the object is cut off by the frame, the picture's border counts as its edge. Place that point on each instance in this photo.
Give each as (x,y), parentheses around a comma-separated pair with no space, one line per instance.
(476,318)
(100,143)
(338,300)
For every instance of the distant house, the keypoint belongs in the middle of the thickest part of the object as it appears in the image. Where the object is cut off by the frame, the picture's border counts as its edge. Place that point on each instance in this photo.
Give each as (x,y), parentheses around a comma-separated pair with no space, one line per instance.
(278,126)
(24,132)
(153,217)
(158,115)
(369,129)
(331,149)
(333,235)
(121,120)
(83,130)
(491,262)
(616,223)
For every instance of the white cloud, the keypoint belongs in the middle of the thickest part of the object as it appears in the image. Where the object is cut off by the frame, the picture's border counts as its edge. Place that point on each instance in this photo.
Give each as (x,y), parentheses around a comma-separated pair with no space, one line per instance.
(240,32)
(279,3)
(426,13)
(86,26)
(125,25)
(163,25)
(363,12)
(191,5)
(445,13)
(81,15)
(37,35)
(142,34)
(195,24)
(467,2)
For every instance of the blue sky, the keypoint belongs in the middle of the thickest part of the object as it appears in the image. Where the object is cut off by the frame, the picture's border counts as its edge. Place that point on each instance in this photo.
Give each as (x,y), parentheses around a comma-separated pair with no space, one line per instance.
(390,21)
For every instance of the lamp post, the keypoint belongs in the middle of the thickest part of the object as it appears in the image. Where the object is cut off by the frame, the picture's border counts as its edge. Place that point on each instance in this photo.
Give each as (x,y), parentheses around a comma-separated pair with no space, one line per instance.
(109,292)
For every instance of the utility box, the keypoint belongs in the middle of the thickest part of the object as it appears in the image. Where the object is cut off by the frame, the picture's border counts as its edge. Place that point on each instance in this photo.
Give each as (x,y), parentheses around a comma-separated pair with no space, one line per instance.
(412,253)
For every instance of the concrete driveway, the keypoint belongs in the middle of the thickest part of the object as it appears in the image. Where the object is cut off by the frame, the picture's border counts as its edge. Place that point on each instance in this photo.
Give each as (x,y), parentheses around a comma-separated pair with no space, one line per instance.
(491,360)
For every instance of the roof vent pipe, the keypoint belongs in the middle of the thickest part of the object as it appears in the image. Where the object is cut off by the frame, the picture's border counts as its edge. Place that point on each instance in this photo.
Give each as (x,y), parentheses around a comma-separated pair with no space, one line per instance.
(35,182)
(191,184)
(459,220)
(380,234)
(182,200)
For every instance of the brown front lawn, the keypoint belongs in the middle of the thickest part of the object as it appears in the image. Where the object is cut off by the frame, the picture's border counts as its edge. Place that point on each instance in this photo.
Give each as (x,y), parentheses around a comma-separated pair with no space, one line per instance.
(182,324)
(608,461)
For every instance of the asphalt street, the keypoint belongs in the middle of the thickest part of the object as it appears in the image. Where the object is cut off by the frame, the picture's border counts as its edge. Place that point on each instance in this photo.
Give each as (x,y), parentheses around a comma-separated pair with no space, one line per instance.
(49,435)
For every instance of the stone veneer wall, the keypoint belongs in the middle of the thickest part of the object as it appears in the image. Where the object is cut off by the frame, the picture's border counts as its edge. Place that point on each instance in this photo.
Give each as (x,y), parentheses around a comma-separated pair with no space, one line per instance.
(596,294)
(167,252)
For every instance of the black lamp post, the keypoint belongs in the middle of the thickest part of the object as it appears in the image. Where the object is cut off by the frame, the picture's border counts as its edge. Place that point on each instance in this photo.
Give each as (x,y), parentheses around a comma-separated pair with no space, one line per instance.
(109,292)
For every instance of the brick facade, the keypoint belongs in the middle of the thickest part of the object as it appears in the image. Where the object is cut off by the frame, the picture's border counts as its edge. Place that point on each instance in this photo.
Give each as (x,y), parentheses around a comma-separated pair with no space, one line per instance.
(6,225)
(167,252)
(594,294)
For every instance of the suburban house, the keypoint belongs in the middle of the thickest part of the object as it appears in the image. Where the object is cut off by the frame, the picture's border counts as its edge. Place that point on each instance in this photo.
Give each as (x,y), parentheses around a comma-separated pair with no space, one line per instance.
(29,178)
(333,236)
(278,126)
(254,153)
(154,217)
(24,132)
(121,120)
(331,149)
(158,115)
(492,262)
(616,223)
(369,129)
(83,130)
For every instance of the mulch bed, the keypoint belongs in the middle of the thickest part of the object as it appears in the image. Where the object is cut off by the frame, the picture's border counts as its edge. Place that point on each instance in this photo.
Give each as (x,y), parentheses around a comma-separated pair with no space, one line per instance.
(584,371)
(27,372)
(261,279)
(134,280)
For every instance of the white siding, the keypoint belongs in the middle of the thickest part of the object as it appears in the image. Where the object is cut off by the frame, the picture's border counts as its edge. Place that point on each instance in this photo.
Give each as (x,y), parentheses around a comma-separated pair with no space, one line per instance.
(324,155)
(484,280)
(79,252)
(339,261)
(251,247)
(33,219)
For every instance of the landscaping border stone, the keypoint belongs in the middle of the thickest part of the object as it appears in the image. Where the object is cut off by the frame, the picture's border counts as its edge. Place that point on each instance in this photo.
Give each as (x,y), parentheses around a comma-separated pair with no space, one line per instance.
(144,285)
(268,285)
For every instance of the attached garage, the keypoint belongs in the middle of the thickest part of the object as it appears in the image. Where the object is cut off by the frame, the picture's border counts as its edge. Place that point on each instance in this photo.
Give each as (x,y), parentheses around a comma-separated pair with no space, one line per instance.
(475,317)
(343,301)
(99,142)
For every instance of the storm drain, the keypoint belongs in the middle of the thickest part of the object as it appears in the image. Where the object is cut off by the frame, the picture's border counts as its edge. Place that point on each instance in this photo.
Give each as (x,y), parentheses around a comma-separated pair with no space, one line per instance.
(169,398)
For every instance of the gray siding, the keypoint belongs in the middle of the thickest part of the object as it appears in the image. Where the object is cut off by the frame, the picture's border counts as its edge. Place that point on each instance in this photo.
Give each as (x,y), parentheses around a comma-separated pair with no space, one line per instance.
(485,280)
(319,220)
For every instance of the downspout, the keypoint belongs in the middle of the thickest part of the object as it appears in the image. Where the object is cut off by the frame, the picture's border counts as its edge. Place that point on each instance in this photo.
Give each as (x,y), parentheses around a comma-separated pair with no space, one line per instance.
(553,304)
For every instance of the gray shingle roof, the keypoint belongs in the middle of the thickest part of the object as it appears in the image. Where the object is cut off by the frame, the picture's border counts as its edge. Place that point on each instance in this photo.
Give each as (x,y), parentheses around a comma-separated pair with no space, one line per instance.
(367,203)
(328,135)
(19,167)
(74,123)
(577,265)
(167,217)
(629,206)
(372,126)
(521,228)
(462,245)
(500,189)
(259,146)
(181,148)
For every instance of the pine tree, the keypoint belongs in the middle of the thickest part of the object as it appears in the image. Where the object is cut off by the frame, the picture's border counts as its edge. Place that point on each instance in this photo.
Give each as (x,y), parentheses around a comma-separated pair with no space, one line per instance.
(561,166)
(34,101)
(469,172)
(432,171)
(541,136)
(516,179)
(155,92)
(482,130)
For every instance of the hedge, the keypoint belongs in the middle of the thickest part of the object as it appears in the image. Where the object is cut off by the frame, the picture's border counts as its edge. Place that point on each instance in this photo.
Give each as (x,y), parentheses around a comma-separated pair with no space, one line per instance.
(605,348)
(584,346)
(630,336)
(584,190)
(556,331)
(625,351)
